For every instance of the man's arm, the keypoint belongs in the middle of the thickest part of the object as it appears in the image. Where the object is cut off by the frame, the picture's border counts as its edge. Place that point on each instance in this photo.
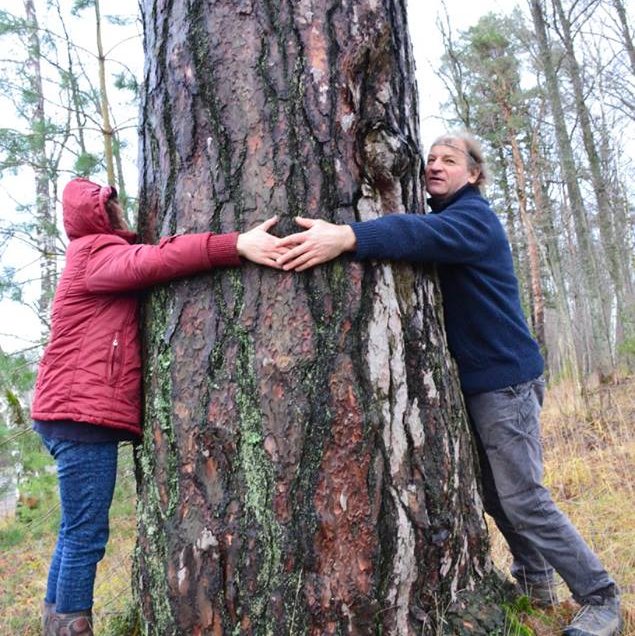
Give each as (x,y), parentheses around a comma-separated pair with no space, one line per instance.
(458,236)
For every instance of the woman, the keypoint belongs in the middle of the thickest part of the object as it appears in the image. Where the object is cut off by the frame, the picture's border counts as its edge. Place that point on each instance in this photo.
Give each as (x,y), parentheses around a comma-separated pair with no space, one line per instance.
(88,390)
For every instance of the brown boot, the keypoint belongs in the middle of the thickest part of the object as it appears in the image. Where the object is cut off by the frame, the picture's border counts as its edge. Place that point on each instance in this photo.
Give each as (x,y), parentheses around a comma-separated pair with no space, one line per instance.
(73,624)
(48,612)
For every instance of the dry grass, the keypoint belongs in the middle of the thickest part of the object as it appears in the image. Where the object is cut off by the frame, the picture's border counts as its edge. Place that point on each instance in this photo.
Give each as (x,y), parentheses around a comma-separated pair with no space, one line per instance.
(590,470)
(24,567)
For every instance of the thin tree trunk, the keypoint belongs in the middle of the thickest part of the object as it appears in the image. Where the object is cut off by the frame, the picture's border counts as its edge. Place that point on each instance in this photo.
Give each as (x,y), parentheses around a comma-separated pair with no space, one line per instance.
(602,345)
(106,127)
(515,239)
(626,32)
(622,231)
(538,301)
(121,179)
(545,220)
(598,180)
(75,106)
(306,465)
(45,208)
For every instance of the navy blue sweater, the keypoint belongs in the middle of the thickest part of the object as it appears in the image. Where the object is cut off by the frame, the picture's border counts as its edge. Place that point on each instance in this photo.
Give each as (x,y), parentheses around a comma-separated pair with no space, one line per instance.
(486,329)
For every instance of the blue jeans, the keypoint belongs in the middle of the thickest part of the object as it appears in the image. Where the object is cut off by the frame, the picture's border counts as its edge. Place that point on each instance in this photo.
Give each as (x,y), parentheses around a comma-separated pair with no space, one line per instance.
(540,537)
(86,475)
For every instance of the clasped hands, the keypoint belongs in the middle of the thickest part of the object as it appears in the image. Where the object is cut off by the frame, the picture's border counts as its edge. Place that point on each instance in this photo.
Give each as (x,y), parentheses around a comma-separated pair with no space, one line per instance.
(320,241)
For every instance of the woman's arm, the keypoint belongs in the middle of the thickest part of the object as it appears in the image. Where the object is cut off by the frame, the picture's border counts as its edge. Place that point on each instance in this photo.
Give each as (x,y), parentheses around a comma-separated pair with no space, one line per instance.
(116,266)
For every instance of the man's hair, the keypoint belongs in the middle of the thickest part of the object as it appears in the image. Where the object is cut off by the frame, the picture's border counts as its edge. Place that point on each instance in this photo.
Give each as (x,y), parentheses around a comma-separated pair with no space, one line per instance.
(473,151)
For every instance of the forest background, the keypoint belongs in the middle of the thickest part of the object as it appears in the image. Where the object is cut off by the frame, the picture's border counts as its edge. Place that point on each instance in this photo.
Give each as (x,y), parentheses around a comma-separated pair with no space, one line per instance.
(548,86)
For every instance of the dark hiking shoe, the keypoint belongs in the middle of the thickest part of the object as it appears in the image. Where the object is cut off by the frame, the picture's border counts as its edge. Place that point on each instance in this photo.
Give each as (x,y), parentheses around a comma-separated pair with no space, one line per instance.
(73,624)
(541,593)
(597,619)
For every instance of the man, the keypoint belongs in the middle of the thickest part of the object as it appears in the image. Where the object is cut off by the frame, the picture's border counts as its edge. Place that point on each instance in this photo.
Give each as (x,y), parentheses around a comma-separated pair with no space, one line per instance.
(499,364)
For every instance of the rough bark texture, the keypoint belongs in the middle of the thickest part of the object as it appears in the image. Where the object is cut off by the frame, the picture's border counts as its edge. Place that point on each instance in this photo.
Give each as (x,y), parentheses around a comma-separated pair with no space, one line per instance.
(306,465)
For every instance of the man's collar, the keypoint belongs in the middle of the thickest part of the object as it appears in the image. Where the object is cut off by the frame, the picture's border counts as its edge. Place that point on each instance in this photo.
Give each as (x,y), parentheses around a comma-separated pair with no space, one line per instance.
(438,204)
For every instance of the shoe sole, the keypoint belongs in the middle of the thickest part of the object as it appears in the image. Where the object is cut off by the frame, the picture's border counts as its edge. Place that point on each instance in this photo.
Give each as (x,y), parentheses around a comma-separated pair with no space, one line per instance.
(579,632)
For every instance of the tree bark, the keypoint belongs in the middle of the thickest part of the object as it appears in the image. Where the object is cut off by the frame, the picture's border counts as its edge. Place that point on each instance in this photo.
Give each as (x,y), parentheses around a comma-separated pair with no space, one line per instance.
(306,466)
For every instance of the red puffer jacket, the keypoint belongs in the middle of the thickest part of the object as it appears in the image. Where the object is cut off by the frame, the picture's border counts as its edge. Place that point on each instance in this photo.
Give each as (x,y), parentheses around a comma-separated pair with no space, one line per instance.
(91,368)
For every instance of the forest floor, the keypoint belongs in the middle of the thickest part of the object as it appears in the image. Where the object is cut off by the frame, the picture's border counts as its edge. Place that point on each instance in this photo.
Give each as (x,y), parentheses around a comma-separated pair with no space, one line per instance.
(590,469)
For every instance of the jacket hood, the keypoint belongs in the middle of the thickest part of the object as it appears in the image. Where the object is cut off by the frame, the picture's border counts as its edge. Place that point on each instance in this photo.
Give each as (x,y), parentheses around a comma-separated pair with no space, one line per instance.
(84,208)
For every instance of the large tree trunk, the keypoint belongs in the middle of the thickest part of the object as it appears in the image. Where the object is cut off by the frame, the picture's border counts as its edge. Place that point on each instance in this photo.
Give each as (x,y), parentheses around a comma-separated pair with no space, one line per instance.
(306,465)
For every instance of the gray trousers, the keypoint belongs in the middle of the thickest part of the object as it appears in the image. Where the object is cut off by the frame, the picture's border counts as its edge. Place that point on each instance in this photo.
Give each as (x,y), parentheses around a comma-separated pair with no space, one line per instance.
(541,538)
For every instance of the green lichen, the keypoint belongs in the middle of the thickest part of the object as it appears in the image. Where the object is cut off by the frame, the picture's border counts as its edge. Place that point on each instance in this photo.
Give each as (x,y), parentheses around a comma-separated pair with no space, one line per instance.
(259,476)
(161,413)
(149,565)
(255,466)
(150,562)
(167,120)
(158,413)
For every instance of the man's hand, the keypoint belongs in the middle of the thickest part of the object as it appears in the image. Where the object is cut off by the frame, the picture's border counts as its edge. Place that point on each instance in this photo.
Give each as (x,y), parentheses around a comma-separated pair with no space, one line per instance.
(259,246)
(321,242)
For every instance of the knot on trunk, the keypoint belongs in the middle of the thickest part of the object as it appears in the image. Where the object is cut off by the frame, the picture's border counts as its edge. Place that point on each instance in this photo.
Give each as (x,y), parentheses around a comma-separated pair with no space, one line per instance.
(384,154)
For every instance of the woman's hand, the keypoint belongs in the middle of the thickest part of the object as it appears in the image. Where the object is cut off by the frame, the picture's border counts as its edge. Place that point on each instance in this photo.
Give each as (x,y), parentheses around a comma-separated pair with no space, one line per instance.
(321,242)
(259,246)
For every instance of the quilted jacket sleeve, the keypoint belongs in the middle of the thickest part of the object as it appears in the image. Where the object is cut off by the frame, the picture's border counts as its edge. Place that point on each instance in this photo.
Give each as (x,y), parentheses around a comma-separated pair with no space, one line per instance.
(115,266)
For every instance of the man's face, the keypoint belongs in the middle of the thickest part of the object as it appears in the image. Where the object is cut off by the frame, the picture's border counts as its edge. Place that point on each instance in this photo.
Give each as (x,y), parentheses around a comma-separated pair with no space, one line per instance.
(448,169)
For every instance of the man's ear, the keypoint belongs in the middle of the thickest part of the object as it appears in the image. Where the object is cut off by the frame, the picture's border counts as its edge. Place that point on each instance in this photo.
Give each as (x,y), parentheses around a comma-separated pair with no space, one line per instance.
(475,173)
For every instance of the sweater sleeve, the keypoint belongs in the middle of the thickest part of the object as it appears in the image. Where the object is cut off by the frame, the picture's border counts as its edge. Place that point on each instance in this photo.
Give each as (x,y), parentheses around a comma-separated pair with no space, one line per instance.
(454,236)
(116,266)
